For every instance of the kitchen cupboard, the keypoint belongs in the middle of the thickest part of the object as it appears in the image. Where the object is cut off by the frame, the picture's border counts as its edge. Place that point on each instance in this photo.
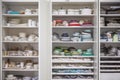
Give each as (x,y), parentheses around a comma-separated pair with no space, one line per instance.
(20,40)
(74,40)
(109,39)
(59,39)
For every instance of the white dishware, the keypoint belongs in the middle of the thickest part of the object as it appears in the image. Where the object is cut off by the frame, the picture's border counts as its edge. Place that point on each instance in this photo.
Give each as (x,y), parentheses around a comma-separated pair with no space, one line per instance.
(76,34)
(33,23)
(62,11)
(8,38)
(10,75)
(22,34)
(28,12)
(29,53)
(36,11)
(76,39)
(70,11)
(35,66)
(76,11)
(55,12)
(28,67)
(26,78)
(22,39)
(15,38)
(30,39)
(30,23)
(86,11)
(65,23)
(22,65)
(14,21)
(8,24)
(6,65)
(118,52)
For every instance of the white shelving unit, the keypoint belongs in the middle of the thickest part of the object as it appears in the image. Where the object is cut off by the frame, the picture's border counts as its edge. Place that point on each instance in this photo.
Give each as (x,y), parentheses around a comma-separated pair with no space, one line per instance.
(16,58)
(109,64)
(63,62)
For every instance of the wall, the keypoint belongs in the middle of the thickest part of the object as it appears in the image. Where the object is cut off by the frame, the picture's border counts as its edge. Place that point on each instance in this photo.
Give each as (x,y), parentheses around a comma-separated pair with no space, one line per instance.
(45,35)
